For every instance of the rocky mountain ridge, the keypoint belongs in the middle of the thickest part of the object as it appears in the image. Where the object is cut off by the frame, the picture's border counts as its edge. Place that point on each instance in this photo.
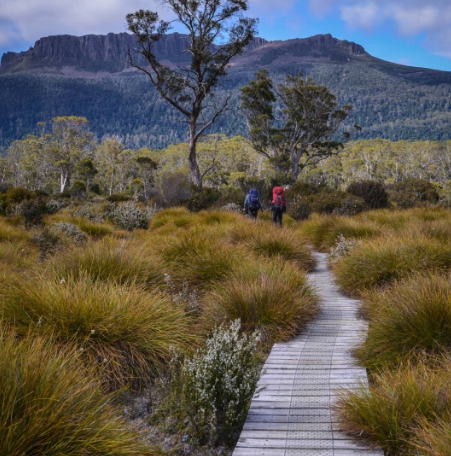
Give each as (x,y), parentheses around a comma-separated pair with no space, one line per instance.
(109,52)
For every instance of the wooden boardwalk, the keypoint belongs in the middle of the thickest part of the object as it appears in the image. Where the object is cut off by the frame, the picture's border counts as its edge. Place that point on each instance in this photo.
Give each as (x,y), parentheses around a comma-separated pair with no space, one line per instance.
(291,415)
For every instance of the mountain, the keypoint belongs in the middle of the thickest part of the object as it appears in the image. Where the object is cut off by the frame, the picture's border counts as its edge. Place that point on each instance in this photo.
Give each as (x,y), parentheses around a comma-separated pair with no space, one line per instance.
(88,76)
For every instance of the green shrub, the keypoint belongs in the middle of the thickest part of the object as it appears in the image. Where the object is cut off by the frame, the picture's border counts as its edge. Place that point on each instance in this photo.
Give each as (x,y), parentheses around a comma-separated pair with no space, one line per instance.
(201,199)
(218,383)
(46,241)
(78,188)
(372,192)
(270,296)
(409,320)
(129,216)
(53,406)
(123,330)
(69,230)
(117,198)
(32,212)
(413,192)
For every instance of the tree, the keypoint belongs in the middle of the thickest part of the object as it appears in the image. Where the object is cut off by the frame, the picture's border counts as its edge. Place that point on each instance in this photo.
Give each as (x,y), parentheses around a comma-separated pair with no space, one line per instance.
(190,89)
(147,167)
(299,132)
(68,143)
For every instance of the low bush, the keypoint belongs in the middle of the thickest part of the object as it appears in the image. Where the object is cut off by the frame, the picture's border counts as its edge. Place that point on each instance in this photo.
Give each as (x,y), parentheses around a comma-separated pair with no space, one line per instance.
(372,192)
(413,192)
(388,413)
(123,330)
(52,405)
(203,198)
(270,296)
(69,230)
(409,321)
(382,260)
(129,216)
(217,385)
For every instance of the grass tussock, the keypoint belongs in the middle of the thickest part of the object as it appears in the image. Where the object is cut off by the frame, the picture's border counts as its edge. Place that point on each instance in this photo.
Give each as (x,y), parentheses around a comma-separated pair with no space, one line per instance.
(110,260)
(389,413)
(52,405)
(18,255)
(323,230)
(409,320)
(198,257)
(178,217)
(270,241)
(271,296)
(123,330)
(12,233)
(383,260)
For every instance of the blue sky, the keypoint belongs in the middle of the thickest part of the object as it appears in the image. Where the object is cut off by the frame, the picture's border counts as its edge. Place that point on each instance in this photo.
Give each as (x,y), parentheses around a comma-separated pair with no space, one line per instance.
(409,32)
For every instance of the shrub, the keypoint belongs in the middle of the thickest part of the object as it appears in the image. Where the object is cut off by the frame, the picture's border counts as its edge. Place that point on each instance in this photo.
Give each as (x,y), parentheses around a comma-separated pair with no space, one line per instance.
(117,198)
(373,193)
(32,212)
(128,216)
(91,212)
(123,330)
(201,199)
(46,241)
(53,406)
(272,297)
(218,383)
(78,188)
(71,231)
(409,320)
(413,192)
(53,206)
(387,413)
(342,248)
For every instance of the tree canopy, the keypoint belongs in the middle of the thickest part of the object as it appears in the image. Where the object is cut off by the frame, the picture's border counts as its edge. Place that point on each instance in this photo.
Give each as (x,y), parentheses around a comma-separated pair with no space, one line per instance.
(294,123)
(215,34)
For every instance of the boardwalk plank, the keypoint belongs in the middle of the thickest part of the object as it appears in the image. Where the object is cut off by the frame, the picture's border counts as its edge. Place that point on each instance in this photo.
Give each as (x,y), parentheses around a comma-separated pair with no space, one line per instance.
(291,411)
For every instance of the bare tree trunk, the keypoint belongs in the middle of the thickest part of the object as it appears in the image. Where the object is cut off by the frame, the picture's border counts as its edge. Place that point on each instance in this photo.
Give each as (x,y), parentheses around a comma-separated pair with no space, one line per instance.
(192,157)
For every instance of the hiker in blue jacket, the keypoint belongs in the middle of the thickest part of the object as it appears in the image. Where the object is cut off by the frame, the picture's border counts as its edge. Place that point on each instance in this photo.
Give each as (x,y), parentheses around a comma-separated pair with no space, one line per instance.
(252,203)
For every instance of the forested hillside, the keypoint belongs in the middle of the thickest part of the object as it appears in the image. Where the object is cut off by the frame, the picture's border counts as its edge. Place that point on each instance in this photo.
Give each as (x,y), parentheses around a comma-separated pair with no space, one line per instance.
(390,101)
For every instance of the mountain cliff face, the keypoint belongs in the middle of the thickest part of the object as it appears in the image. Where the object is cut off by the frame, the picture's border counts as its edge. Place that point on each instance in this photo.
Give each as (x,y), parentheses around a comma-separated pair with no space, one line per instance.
(109,52)
(88,76)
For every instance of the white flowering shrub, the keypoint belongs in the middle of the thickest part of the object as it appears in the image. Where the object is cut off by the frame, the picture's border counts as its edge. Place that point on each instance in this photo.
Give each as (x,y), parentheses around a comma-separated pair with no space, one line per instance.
(342,248)
(218,383)
(129,216)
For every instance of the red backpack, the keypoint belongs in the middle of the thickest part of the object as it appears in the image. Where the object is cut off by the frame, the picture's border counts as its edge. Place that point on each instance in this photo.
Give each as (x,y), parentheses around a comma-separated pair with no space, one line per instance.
(278,198)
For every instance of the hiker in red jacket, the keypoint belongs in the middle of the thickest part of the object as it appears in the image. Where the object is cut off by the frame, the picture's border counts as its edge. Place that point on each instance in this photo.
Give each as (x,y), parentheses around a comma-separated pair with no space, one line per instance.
(278,204)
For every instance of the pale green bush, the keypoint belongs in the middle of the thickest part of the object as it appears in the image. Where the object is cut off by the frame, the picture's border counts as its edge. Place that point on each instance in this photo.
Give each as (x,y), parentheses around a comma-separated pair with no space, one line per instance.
(218,383)
(128,216)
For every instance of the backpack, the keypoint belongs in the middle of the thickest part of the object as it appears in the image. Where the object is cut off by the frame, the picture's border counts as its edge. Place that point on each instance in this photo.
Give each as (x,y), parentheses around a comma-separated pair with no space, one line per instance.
(254,199)
(278,198)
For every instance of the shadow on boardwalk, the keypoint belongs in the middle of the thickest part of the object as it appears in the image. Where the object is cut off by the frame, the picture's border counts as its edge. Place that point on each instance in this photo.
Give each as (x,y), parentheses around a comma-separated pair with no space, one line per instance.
(292,415)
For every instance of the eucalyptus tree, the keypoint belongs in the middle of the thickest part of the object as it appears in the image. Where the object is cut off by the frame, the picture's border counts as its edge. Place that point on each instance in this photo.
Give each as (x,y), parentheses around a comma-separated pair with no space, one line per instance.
(293,123)
(216,33)
(66,145)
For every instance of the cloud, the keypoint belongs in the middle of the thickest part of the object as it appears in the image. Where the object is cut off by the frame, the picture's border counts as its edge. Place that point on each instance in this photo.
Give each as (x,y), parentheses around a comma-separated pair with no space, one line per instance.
(29,20)
(411,18)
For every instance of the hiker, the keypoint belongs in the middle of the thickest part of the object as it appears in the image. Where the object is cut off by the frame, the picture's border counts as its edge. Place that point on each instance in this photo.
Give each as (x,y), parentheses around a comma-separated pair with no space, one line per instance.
(278,204)
(252,203)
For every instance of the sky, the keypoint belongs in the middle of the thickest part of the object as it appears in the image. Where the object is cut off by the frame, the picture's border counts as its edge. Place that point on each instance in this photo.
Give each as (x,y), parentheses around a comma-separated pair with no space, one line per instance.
(408,32)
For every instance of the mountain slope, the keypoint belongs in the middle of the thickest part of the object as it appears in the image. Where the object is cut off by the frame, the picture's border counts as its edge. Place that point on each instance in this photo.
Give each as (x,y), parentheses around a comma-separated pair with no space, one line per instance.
(88,76)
